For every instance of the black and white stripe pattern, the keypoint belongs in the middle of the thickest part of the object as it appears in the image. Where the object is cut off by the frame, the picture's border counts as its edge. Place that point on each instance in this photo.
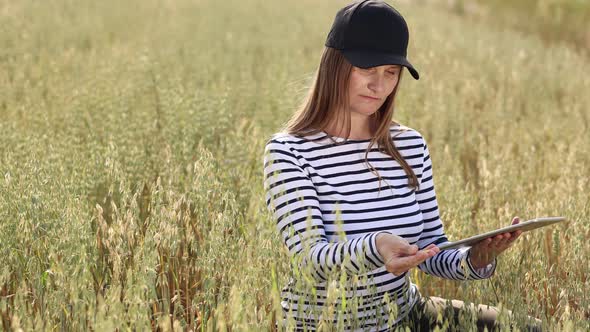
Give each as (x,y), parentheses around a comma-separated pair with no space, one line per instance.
(317,191)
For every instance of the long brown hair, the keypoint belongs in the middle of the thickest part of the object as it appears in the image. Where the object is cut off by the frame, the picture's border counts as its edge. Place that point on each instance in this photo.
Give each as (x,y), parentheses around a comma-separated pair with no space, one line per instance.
(328,99)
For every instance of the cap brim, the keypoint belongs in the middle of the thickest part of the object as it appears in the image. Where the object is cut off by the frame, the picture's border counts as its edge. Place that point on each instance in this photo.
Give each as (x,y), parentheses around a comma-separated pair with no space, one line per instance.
(366,59)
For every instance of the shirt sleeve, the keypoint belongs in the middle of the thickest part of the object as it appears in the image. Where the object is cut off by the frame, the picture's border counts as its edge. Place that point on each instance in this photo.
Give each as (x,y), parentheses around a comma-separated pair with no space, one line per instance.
(292,199)
(450,264)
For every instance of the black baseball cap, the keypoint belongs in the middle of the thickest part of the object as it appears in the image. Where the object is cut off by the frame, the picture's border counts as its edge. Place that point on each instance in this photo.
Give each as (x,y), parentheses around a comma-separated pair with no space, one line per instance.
(371,33)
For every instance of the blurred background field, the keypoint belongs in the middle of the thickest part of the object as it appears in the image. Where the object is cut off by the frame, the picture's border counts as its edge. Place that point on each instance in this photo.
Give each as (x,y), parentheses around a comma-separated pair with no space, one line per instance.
(131,140)
(553,21)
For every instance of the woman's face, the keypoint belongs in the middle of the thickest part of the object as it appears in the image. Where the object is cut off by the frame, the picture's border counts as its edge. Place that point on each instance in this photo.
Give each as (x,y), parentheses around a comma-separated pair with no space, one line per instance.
(368,88)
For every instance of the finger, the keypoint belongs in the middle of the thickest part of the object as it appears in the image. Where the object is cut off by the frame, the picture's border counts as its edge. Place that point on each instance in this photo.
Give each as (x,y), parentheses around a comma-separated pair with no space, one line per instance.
(506,238)
(433,247)
(496,240)
(515,235)
(430,251)
(497,243)
(513,239)
(502,245)
(507,242)
(409,250)
(484,243)
(515,220)
(408,262)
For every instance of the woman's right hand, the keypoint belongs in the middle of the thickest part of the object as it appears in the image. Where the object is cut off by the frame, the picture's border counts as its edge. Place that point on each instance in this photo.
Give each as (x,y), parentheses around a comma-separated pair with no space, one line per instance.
(399,255)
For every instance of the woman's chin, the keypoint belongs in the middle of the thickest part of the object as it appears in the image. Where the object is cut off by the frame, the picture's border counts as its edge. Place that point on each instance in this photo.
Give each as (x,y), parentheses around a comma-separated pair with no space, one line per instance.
(366,112)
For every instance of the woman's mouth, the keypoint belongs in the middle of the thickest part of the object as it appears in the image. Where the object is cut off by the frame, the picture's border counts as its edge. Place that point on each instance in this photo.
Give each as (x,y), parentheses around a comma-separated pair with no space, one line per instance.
(370,98)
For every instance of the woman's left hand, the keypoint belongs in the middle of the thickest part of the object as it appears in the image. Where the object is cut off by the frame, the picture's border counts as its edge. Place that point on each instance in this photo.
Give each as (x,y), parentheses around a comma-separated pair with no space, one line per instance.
(484,252)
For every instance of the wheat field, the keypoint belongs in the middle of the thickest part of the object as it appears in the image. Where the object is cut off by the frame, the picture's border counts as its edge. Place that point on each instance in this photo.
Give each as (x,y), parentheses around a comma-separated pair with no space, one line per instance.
(131,141)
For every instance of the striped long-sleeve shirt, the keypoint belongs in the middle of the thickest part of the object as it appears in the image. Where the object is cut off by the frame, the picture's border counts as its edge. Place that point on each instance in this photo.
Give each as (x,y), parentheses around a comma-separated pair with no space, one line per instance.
(328,208)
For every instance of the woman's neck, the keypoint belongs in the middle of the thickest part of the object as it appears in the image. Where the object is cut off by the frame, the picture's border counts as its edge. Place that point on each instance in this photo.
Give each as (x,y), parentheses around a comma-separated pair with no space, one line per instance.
(360,128)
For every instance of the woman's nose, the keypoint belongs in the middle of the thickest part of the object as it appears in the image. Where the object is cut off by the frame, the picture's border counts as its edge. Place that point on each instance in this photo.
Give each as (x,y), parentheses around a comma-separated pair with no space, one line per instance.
(376,83)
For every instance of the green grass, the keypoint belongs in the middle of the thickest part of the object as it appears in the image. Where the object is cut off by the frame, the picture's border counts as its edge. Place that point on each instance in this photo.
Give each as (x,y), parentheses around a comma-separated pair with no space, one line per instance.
(562,22)
(131,140)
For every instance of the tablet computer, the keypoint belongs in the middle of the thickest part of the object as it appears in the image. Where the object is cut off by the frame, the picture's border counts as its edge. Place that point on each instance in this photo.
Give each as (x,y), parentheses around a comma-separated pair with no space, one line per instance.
(523,226)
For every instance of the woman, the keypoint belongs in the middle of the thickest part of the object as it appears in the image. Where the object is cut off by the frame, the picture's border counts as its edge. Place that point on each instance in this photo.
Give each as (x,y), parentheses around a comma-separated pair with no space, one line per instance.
(363,226)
